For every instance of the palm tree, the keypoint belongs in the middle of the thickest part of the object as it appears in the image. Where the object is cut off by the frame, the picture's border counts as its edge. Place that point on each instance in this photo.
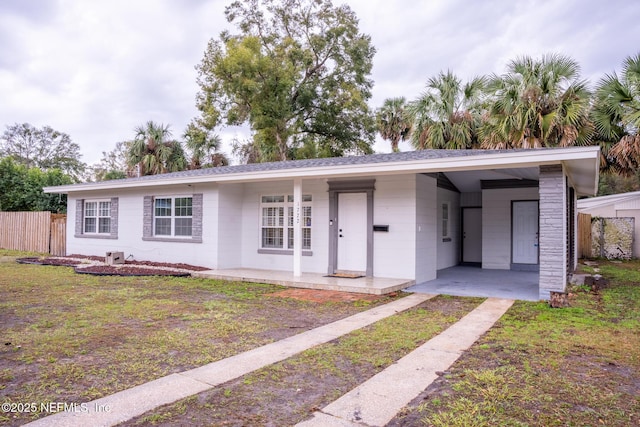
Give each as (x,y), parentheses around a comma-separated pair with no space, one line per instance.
(153,152)
(203,147)
(447,114)
(537,103)
(393,121)
(616,115)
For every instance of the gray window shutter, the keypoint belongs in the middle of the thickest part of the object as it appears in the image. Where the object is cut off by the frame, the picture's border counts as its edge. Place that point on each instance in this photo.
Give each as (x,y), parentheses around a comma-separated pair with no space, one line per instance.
(114,217)
(79,216)
(196,230)
(147,217)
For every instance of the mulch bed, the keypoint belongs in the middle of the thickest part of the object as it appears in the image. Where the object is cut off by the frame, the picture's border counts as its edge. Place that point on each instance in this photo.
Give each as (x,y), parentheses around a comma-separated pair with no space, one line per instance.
(129,268)
(108,270)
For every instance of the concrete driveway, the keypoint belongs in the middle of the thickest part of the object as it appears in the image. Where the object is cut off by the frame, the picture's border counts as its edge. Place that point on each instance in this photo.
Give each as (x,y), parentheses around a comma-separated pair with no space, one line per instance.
(478,282)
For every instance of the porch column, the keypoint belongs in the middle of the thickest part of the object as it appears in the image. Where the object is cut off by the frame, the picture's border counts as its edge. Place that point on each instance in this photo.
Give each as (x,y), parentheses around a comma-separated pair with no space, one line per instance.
(297,227)
(553,231)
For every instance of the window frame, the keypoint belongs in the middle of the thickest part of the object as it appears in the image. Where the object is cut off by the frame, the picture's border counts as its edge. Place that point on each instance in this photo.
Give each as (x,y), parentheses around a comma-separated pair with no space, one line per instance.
(445,222)
(98,216)
(172,217)
(80,227)
(284,203)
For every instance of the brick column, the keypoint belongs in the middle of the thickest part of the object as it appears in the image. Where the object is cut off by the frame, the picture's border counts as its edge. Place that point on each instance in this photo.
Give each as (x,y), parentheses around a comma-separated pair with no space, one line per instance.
(553,231)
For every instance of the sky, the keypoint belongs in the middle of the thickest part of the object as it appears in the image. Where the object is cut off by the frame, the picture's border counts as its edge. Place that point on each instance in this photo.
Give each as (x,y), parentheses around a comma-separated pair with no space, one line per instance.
(97,69)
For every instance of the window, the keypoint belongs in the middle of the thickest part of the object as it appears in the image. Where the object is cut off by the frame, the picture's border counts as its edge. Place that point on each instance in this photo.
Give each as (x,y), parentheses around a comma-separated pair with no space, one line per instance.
(445,220)
(173,216)
(274,233)
(97,217)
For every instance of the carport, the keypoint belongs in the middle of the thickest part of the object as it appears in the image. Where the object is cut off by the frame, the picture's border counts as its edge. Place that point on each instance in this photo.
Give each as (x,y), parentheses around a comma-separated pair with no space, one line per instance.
(478,282)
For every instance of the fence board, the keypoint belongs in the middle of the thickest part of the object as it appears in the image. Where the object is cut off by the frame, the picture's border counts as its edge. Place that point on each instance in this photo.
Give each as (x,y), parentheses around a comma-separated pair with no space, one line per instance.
(58,245)
(32,231)
(584,235)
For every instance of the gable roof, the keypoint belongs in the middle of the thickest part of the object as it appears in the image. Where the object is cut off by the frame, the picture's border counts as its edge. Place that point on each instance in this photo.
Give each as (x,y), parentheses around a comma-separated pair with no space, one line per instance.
(581,164)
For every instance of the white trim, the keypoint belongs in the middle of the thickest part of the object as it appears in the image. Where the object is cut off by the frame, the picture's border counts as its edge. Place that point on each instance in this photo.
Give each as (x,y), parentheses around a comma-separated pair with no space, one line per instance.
(172,217)
(524,158)
(297,227)
(285,205)
(97,217)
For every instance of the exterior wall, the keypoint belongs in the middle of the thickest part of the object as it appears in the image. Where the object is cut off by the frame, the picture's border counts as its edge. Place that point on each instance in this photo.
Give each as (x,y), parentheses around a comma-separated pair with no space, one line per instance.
(130,228)
(496,224)
(603,211)
(394,204)
(471,200)
(426,229)
(553,265)
(227,218)
(250,227)
(448,249)
(632,213)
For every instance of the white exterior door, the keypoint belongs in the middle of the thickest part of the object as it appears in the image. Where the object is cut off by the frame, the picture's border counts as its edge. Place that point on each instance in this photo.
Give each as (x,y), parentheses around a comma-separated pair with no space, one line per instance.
(472,235)
(352,232)
(525,232)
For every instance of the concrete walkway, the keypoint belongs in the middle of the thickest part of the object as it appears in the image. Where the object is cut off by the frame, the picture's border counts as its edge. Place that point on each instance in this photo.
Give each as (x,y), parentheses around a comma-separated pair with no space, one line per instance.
(127,404)
(378,400)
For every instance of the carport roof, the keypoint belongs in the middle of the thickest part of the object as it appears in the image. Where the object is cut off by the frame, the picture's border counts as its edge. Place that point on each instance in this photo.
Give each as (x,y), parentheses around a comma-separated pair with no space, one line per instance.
(581,164)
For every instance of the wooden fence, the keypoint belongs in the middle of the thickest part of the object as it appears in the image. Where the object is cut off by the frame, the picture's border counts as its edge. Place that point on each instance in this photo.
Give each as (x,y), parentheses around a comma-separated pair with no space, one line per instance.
(584,235)
(33,231)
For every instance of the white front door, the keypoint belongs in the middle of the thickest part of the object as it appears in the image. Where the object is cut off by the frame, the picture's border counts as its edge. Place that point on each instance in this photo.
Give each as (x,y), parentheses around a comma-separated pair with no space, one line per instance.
(472,235)
(352,232)
(525,233)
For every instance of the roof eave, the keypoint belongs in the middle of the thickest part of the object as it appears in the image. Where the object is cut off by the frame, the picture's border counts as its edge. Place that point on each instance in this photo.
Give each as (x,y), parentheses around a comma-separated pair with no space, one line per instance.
(445,164)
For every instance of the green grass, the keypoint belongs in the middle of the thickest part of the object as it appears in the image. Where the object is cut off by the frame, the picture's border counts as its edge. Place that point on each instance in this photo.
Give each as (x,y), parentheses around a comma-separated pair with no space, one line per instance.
(74,338)
(287,392)
(578,366)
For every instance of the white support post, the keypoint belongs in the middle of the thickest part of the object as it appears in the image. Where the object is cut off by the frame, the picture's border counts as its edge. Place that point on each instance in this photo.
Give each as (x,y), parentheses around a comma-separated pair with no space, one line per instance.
(297,227)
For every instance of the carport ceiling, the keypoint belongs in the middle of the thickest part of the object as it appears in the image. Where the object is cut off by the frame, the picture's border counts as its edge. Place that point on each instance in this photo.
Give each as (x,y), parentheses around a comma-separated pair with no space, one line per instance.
(469,181)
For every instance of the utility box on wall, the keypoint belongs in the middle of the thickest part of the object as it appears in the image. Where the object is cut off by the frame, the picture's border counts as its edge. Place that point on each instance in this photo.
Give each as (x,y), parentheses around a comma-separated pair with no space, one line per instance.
(114,258)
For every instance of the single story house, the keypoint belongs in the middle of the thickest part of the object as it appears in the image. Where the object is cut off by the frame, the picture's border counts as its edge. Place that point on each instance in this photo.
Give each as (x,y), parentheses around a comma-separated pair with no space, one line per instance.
(623,205)
(397,215)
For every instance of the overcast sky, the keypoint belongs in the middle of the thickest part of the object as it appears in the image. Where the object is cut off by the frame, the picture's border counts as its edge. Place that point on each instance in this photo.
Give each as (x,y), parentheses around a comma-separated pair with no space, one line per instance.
(97,69)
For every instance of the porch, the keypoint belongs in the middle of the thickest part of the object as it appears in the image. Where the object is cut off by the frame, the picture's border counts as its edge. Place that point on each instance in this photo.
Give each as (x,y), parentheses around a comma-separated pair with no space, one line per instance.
(478,282)
(364,285)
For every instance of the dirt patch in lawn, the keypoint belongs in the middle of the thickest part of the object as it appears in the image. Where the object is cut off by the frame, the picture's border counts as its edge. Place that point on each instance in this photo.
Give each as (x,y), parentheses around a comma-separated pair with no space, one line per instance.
(315,295)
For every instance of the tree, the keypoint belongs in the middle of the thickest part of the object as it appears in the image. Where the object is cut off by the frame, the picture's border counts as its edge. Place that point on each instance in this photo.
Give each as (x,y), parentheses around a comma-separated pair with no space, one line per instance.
(297,73)
(113,164)
(153,152)
(203,148)
(538,103)
(447,114)
(393,121)
(45,148)
(21,188)
(616,115)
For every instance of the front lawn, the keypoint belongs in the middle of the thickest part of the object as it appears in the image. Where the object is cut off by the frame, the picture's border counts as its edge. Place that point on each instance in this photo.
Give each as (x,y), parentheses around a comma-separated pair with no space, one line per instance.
(538,366)
(74,338)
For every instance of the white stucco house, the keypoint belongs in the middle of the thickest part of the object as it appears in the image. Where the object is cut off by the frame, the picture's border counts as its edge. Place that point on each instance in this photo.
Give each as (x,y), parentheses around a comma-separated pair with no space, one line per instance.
(623,205)
(398,215)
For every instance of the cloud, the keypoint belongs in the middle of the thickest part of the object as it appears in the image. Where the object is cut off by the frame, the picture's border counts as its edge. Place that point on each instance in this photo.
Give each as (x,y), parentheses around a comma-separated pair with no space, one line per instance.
(95,70)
